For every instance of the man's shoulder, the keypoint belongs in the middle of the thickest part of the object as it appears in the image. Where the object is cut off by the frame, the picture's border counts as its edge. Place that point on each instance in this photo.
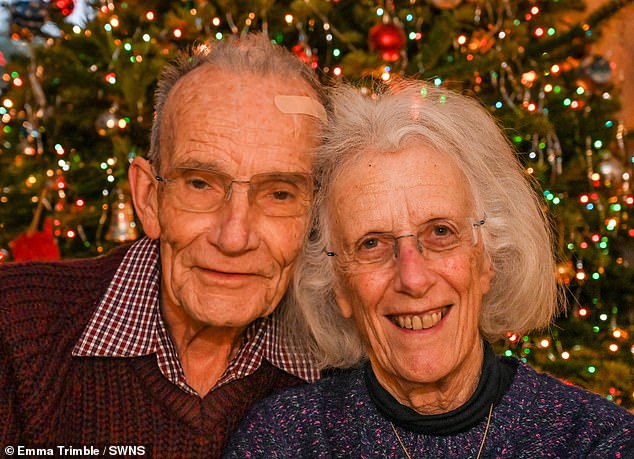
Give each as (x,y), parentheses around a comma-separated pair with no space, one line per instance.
(38,296)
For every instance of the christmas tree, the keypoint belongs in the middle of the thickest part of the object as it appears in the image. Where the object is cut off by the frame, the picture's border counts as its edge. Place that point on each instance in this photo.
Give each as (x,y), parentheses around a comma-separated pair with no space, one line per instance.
(76,107)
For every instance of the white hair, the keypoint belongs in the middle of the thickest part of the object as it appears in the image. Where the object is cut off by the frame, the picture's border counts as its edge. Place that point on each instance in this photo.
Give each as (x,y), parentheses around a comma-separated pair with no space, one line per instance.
(517,236)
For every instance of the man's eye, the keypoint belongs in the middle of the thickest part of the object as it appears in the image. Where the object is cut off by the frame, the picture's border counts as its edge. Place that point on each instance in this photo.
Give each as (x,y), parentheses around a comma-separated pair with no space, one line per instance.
(198,184)
(282,195)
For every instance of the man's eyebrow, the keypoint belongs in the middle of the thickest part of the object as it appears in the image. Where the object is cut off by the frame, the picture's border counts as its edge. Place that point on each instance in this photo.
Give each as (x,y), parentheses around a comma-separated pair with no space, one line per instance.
(197,164)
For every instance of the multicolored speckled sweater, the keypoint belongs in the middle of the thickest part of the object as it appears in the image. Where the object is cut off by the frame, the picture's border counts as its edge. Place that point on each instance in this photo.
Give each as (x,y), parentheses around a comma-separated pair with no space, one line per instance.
(539,417)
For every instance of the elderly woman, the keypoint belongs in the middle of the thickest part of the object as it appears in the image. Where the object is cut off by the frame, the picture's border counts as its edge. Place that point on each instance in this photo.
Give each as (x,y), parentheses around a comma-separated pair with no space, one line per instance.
(430,243)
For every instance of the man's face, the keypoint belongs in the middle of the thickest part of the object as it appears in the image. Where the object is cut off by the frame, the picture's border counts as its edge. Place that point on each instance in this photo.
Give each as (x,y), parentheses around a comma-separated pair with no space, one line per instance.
(231,266)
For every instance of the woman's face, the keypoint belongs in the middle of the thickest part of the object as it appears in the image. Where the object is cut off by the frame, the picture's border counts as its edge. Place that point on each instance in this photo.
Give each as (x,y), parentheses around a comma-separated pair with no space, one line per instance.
(418,312)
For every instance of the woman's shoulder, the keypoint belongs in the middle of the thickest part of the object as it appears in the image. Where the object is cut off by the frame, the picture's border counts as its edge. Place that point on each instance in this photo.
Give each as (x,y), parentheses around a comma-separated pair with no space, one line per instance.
(548,397)
(331,390)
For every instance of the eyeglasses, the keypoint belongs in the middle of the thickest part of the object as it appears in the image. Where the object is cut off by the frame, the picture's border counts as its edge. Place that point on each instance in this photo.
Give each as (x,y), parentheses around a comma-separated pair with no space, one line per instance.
(437,239)
(275,194)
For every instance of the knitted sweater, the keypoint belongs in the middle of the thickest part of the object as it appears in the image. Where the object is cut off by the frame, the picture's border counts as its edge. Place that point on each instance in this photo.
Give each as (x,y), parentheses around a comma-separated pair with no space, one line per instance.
(539,417)
(49,398)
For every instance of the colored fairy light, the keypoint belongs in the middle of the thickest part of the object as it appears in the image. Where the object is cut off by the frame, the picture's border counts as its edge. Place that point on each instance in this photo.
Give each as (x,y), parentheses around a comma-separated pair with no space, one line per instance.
(598,143)
(565,355)
(534,10)
(613,347)
(617,333)
(462,39)
(80,203)
(7,103)
(583,312)
(437,81)
(499,104)
(551,31)
(114,22)
(288,18)
(409,17)
(609,123)
(150,16)
(544,343)
(215,21)
(539,32)
(178,33)
(70,234)
(337,71)
(380,11)
(336,52)
(592,369)
(567,101)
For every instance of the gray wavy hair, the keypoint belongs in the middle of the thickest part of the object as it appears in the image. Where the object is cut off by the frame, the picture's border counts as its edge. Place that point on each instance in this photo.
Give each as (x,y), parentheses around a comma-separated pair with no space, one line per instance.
(252,53)
(517,236)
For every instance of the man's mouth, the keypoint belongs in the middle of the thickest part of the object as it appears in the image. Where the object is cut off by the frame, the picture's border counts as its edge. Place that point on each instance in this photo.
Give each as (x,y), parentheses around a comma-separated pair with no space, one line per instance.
(419,322)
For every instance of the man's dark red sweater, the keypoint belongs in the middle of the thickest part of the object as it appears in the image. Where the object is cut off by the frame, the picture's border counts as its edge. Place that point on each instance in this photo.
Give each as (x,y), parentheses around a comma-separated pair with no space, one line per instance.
(49,398)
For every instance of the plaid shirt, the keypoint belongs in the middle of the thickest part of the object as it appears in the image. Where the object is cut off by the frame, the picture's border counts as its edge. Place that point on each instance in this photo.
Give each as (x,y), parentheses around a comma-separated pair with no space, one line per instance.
(128,323)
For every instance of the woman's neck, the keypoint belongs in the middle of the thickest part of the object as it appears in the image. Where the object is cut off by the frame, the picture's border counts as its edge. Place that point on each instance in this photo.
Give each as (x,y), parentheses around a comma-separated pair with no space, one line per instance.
(441,396)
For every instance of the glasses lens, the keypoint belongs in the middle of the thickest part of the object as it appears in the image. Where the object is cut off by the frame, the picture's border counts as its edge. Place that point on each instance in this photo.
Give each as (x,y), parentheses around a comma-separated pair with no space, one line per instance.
(281,194)
(198,190)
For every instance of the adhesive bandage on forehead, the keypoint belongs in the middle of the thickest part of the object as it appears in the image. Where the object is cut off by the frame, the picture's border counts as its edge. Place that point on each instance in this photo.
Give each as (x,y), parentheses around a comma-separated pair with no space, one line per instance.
(302,105)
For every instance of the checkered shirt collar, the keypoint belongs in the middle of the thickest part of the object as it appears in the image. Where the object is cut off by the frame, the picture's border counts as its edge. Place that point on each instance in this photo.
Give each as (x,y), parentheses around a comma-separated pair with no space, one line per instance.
(128,323)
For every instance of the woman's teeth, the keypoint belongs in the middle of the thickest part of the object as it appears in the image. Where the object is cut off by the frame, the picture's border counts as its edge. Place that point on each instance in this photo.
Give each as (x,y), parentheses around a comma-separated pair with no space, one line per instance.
(419,322)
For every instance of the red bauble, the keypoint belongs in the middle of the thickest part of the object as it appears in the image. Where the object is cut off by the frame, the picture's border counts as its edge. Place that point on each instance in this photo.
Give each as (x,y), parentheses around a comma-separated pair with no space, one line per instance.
(388,40)
(64,6)
(36,245)
(306,55)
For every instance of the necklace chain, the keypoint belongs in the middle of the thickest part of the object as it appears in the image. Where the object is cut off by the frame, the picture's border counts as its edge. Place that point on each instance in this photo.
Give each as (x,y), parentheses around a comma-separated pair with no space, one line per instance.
(484,437)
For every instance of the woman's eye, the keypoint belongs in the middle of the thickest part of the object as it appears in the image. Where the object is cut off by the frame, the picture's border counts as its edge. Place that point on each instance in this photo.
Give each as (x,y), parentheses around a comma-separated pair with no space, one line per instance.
(369,244)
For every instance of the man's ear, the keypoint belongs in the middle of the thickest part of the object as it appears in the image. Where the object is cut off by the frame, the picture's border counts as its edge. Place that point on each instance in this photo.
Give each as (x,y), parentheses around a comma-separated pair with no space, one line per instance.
(345,307)
(143,187)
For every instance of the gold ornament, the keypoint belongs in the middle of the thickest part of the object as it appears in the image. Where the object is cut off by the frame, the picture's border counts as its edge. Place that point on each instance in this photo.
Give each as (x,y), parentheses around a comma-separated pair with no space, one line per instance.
(122,225)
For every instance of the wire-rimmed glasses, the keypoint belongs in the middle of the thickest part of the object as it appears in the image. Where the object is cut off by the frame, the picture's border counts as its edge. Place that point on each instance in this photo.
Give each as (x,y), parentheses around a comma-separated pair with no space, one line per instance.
(435,239)
(275,194)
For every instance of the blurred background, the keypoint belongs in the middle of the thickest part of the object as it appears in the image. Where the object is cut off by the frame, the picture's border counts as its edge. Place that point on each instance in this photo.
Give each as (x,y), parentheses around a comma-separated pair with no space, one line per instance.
(76,84)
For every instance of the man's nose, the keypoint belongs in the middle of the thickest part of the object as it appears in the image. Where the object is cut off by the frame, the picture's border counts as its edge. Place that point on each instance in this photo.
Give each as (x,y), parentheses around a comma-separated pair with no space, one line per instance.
(235,233)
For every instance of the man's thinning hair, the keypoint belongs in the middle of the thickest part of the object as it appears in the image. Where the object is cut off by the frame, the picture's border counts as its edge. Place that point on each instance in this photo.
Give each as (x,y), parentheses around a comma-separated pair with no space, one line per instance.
(252,54)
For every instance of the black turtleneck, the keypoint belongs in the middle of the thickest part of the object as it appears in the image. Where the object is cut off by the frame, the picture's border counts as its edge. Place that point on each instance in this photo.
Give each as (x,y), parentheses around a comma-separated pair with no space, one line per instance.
(496,378)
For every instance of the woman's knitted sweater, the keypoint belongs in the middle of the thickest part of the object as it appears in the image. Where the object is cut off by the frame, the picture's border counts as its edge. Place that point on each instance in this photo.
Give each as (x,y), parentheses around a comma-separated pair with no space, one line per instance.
(539,417)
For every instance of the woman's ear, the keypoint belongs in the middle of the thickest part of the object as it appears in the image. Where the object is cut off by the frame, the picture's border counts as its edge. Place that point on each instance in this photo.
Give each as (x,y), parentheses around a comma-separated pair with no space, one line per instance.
(345,307)
(143,187)
(487,273)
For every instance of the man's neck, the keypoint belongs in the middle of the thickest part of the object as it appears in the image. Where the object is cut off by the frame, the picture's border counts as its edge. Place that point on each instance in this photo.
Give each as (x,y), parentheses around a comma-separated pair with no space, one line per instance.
(204,351)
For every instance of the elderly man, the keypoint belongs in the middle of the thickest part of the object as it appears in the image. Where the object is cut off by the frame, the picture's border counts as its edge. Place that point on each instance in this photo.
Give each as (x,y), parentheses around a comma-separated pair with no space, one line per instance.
(161,346)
